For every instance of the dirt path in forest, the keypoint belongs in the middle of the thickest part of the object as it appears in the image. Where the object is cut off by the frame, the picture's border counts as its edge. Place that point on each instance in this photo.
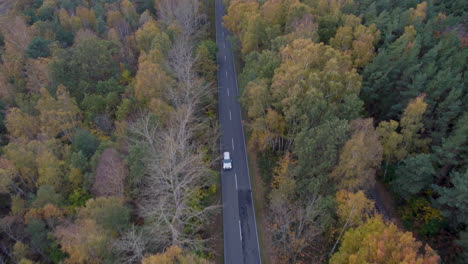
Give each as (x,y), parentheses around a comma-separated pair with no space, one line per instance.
(386,203)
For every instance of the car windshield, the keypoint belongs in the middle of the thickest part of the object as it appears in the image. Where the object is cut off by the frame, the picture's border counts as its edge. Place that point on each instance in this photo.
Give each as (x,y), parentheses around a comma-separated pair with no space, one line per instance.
(227,161)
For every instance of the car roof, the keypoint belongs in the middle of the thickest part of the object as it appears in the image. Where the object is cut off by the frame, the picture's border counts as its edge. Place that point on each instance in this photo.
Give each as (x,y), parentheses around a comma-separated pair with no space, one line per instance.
(226,155)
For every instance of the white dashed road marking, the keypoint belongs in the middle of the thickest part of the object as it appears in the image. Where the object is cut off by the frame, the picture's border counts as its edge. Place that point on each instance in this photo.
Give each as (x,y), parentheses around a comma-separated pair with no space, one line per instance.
(235,177)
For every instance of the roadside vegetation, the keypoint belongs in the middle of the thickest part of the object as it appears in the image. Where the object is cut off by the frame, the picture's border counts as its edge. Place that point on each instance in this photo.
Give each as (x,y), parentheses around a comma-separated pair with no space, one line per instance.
(108,132)
(341,94)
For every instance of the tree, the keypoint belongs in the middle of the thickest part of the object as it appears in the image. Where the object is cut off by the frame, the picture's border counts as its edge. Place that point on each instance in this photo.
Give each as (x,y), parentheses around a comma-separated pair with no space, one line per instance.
(131,246)
(45,195)
(303,28)
(357,40)
(129,12)
(269,131)
(419,13)
(418,215)
(81,67)
(58,116)
(353,208)
(328,25)
(378,242)
(17,36)
(396,60)
(50,170)
(85,142)
(185,16)
(37,72)
(111,174)
(84,242)
(318,149)
(257,98)
(20,251)
(275,11)
(7,175)
(87,17)
(295,222)
(38,47)
(258,65)
(20,124)
(37,229)
(149,36)
(360,158)
(151,81)
(174,255)
(391,141)
(238,14)
(109,213)
(254,33)
(311,78)
(174,173)
(412,126)
(206,64)
(413,175)
(453,151)
(453,200)
(22,155)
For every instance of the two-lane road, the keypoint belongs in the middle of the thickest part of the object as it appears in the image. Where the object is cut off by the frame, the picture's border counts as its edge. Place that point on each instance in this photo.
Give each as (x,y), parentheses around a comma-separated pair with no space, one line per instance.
(239,226)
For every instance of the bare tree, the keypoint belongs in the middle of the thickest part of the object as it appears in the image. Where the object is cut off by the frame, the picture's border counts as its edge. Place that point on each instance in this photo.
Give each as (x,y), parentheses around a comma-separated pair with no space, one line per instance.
(175,168)
(131,246)
(298,222)
(175,173)
(295,226)
(185,13)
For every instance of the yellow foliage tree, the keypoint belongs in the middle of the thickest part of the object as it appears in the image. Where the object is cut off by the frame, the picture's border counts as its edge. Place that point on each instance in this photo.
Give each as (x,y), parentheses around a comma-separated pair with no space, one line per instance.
(83,241)
(146,34)
(60,115)
(353,208)
(37,72)
(20,124)
(382,243)
(252,36)
(269,131)
(357,40)
(174,255)
(87,17)
(360,158)
(412,126)
(418,14)
(313,70)
(391,141)
(50,170)
(275,11)
(152,83)
(238,14)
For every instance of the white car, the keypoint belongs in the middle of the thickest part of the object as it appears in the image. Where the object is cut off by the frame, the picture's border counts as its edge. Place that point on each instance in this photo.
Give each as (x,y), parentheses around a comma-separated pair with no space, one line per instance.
(227,162)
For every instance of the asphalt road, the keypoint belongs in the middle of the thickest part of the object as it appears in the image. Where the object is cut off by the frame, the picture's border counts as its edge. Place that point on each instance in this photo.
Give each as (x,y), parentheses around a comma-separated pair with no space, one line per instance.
(239,226)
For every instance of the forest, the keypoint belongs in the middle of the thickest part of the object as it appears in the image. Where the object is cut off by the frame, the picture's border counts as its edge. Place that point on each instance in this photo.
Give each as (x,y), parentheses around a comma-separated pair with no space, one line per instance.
(108,132)
(346,100)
